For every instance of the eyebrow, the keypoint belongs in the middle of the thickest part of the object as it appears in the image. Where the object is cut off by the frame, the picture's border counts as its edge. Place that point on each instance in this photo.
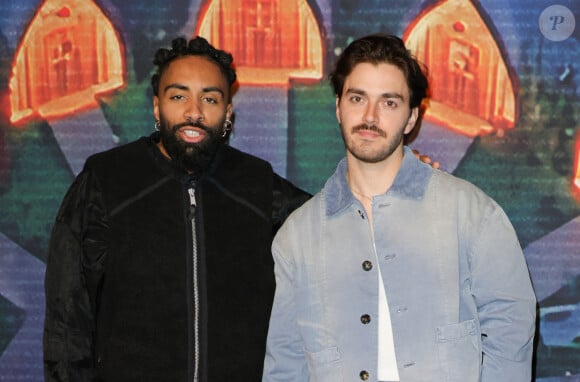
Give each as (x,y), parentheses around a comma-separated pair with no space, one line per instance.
(208,89)
(384,95)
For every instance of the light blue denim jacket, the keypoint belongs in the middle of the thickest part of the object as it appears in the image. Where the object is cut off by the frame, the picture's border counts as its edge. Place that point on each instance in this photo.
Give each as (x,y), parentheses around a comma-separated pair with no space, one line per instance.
(459,293)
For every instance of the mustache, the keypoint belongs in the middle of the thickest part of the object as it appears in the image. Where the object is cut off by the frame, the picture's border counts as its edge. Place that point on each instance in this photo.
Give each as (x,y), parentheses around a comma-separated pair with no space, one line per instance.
(197,124)
(364,126)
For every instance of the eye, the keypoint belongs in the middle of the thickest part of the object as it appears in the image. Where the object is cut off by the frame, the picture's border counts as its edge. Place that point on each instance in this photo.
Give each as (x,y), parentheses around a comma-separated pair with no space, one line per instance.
(210,100)
(391,103)
(356,99)
(177,97)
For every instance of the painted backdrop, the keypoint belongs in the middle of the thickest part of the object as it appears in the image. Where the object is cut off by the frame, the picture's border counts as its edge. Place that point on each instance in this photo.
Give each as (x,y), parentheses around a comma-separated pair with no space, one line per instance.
(503,114)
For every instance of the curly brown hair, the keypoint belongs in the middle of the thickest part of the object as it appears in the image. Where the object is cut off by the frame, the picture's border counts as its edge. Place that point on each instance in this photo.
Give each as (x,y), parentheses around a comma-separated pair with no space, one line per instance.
(376,49)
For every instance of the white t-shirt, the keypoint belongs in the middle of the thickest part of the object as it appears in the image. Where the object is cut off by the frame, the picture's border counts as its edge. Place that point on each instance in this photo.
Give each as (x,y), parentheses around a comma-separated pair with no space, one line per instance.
(387,367)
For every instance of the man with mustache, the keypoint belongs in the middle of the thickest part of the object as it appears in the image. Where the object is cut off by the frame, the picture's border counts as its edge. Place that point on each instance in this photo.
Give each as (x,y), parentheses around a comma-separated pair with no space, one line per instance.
(159,266)
(396,271)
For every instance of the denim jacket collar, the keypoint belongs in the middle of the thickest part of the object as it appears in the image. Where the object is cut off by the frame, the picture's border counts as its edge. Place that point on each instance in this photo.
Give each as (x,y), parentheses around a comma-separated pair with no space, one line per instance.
(410,183)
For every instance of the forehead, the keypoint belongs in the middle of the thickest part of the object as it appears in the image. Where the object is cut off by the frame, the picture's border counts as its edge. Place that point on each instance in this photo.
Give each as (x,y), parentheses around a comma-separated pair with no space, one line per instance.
(377,79)
(194,72)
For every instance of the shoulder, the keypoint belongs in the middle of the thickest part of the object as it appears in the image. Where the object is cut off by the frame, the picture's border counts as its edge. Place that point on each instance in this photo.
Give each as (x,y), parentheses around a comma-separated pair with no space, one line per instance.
(473,207)
(127,169)
(452,187)
(301,232)
(233,157)
(233,169)
(119,155)
(285,190)
(305,218)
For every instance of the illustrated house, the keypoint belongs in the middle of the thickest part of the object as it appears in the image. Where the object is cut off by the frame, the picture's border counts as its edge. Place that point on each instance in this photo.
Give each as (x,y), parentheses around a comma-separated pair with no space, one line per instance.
(69,53)
(472,91)
(271,40)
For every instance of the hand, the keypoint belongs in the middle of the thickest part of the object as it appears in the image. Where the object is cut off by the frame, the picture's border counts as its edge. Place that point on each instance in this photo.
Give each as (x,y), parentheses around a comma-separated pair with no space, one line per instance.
(426,159)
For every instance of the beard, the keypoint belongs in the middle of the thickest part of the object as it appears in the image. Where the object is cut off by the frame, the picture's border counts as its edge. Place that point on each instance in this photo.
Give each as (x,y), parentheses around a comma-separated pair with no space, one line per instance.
(375,155)
(192,157)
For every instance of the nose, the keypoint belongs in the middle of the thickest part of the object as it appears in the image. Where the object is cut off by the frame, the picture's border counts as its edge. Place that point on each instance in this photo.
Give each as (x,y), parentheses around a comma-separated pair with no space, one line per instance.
(193,112)
(370,115)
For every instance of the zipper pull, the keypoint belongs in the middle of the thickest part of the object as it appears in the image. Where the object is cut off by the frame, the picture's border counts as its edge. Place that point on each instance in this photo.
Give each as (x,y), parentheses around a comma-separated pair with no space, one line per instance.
(191,192)
(192,203)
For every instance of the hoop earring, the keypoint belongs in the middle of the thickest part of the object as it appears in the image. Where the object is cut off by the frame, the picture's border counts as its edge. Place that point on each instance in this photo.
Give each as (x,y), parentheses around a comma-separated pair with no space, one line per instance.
(227,128)
(157,125)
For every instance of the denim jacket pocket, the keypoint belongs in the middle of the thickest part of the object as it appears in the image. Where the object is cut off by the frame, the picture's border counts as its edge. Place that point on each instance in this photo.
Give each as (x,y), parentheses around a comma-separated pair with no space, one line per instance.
(325,365)
(460,351)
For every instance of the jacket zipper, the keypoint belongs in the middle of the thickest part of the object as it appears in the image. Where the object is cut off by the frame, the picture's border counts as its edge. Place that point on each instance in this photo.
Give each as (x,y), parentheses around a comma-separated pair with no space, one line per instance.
(192,206)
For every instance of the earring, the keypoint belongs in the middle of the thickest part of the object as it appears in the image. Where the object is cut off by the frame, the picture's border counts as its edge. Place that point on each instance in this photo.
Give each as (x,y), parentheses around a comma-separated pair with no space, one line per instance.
(157,125)
(227,128)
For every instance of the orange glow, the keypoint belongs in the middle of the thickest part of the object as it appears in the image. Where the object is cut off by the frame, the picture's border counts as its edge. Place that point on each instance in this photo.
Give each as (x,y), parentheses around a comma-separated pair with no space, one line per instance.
(272,41)
(471,88)
(69,53)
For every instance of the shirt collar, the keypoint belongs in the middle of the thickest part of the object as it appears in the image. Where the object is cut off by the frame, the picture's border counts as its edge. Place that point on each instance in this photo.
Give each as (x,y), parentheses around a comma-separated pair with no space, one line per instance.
(410,183)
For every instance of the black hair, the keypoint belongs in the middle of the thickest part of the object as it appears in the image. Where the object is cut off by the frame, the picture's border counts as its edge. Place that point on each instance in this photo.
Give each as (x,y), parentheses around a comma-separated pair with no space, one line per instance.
(197,46)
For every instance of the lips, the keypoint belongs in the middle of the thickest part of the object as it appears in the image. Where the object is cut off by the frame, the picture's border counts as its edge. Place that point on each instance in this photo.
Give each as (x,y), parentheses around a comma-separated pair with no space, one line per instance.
(191,134)
(368,134)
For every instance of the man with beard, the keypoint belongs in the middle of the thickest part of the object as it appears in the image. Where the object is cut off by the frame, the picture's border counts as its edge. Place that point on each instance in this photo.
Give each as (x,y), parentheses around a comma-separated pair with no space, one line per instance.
(396,271)
(159,265)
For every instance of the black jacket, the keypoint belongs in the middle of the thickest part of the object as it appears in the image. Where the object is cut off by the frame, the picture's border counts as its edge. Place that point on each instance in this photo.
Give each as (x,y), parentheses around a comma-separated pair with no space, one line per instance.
(136,292)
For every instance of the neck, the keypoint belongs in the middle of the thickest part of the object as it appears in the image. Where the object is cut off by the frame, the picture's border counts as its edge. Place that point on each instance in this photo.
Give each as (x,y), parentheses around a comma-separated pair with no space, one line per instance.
(370,179)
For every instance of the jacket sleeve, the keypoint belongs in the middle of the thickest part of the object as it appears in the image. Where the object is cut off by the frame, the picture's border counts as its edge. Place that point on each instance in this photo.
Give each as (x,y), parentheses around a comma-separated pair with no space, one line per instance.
(285,359)
(505,300)
(73,272)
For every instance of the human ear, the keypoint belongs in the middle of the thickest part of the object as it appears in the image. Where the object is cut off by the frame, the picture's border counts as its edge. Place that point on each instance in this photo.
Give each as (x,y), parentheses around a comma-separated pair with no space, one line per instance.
(156,107)
(412,121)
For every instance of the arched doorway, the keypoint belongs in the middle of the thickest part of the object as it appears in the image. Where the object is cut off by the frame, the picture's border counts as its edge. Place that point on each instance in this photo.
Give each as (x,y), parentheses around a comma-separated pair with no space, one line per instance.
(271,40)
(69,53)
(472,90)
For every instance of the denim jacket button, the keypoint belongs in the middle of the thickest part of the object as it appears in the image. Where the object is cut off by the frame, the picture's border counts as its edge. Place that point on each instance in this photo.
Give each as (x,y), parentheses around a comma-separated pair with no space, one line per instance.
(365,319)
(367,265)
(364,375)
